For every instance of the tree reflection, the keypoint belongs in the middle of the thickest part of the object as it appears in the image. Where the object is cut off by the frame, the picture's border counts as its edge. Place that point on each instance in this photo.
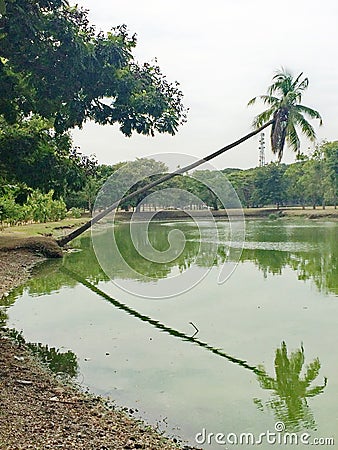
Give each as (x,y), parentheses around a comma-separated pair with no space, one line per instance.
(61,363)
(290,390)
(318,262)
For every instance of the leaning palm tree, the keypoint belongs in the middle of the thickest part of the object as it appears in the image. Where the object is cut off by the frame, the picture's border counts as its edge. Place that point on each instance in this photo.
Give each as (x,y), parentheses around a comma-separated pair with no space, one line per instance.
(69,237)
(283,98)
(284,114)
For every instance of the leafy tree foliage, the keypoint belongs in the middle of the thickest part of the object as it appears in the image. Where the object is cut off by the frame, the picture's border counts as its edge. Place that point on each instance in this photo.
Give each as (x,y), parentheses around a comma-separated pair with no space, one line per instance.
(311,181)
(330,154)
(31,153)
(54,64)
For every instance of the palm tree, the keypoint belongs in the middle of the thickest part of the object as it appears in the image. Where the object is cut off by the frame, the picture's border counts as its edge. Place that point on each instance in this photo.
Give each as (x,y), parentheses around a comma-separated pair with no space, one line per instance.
(283,98)
(69,237)
(284,114)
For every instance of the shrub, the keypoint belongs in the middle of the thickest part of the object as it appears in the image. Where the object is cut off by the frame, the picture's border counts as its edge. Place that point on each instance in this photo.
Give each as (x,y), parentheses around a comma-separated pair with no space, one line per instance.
(74,212)
(39,208)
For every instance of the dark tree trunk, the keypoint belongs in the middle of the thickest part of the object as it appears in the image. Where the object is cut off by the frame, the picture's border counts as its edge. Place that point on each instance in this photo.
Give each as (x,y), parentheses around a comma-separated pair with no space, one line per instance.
(74,234)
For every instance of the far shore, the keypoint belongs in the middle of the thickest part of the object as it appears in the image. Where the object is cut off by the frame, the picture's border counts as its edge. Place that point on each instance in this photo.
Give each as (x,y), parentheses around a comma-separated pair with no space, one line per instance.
(10,235)
(249,213)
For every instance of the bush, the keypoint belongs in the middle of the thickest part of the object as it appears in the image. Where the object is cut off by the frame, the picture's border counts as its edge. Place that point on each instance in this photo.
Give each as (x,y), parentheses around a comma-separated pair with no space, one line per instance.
(44,208)
(39,208)
(75,213)
(10,212)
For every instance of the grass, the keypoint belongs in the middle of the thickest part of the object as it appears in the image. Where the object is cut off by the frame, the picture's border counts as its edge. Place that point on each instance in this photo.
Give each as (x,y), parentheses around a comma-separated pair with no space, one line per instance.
(37,237)
(52,229)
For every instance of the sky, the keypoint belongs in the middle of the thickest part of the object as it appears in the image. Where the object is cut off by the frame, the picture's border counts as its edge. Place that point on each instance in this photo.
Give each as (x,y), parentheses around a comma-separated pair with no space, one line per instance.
(223,53)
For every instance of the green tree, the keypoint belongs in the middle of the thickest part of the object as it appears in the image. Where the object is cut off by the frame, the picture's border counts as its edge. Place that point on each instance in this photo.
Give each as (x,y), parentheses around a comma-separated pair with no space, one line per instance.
(269,185)
(243,183)
(284,107)
(130,177)
(31,153)
(330,152)
(312,182)
(295,186)
(54,64)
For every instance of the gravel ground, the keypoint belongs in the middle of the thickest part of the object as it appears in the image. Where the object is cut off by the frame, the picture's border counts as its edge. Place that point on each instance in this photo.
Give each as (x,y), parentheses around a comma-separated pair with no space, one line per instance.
(15,267)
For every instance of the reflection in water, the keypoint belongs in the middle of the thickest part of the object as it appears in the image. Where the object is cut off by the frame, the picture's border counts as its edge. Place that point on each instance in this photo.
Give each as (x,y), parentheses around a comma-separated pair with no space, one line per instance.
(311,251)
(290,390)
(64,363)
(159,325)
(3,317)
(316,259)
(61,363)
(133,265)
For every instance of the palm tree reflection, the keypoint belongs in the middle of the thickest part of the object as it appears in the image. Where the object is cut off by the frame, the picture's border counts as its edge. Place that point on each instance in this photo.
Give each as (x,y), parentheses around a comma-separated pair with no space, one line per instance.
(290,390)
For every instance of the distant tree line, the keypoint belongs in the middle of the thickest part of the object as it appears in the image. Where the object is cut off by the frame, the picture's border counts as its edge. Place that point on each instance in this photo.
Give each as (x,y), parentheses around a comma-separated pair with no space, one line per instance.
(311,181)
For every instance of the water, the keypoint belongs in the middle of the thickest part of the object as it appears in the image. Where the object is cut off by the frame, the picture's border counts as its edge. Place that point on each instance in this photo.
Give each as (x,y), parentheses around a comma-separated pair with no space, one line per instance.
(265,347)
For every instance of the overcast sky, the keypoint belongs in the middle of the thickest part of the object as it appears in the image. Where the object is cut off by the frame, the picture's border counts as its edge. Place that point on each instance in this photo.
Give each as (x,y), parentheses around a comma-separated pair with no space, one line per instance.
(223,53)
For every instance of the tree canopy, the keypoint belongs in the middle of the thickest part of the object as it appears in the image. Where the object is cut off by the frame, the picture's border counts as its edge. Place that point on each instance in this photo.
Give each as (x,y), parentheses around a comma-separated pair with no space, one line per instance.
(284,107)
(53,63)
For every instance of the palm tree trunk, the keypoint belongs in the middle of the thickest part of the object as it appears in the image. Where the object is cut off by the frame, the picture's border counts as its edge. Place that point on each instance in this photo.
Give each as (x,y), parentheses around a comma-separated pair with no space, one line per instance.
(69,237)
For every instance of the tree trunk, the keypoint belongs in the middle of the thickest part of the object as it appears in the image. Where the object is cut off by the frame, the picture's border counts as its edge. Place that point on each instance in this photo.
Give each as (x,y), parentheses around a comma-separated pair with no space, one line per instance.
(74,234)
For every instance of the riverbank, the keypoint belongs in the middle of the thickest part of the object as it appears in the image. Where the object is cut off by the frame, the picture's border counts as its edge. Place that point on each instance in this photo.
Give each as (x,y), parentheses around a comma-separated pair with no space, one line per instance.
(39,412)
(249,213)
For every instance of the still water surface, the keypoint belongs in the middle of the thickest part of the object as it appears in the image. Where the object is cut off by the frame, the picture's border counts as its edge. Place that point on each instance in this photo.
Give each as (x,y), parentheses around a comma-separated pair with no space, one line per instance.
(267,340)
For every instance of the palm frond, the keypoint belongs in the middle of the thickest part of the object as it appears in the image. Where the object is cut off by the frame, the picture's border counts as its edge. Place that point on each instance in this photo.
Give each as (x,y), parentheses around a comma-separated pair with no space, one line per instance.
(270,100)
(312,113)
(252,101)
(292,137)
(305,126)
(267,99)
(263,117)
(282,83)
(303,85)
(295,83)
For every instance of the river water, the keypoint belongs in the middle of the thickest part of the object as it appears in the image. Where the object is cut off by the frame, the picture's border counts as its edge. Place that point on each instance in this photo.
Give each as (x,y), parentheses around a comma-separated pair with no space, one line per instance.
(256,353)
